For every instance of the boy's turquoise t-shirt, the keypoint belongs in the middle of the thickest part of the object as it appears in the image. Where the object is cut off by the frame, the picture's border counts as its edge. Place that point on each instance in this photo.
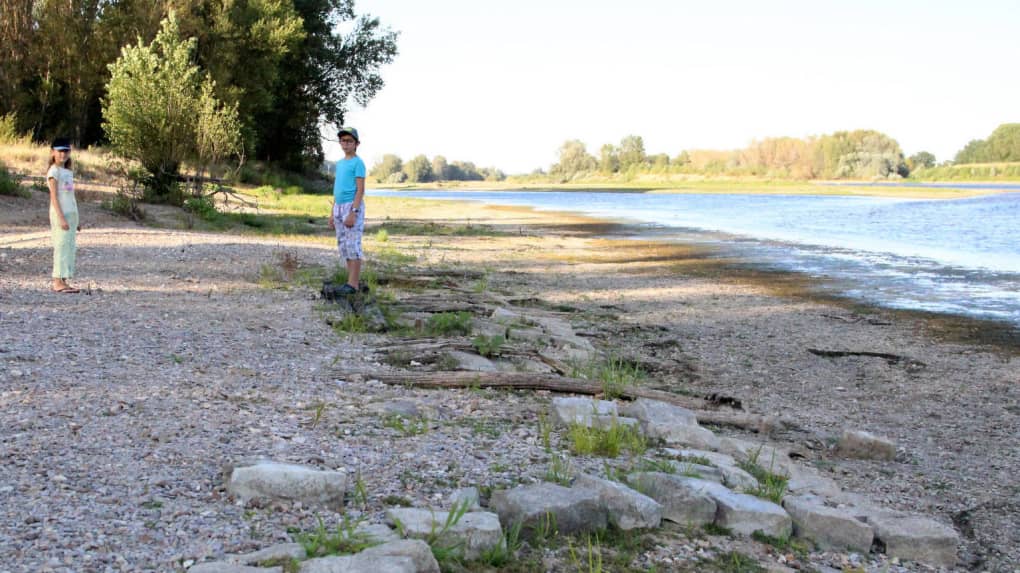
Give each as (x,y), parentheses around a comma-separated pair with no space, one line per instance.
(347,172)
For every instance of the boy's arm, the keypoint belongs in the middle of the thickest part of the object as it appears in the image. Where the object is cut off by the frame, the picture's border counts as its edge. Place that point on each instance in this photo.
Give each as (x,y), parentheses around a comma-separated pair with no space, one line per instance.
(359,193)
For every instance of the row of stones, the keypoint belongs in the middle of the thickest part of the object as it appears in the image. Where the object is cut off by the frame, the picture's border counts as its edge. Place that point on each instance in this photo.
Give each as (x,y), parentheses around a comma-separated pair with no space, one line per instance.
(815,510)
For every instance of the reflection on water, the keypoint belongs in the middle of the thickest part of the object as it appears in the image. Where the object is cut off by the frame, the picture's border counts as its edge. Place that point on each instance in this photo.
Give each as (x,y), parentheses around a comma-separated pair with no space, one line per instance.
(956,256)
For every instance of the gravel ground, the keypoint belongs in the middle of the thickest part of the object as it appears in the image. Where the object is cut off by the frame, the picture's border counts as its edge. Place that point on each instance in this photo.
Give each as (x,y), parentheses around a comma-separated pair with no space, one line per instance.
(119,408)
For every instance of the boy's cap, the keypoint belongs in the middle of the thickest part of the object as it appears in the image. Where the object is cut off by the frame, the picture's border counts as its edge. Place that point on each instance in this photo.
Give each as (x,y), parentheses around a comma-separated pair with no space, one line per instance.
(349,131)
(61,144)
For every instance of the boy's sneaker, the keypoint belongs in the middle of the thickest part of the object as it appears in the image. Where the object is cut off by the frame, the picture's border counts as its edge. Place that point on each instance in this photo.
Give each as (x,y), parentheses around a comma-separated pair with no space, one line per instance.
(346,289)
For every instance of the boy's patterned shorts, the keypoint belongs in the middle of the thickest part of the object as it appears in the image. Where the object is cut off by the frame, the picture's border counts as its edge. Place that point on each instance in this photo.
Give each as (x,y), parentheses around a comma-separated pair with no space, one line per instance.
(348,241)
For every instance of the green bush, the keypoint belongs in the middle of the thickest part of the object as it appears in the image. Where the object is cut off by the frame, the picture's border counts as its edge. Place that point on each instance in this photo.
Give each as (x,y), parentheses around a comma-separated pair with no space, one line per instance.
(9,129)
(10,184)
(450,323)
(204,207)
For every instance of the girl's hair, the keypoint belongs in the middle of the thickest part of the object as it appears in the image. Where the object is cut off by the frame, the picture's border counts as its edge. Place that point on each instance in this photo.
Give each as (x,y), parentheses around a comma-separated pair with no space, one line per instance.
(66,165)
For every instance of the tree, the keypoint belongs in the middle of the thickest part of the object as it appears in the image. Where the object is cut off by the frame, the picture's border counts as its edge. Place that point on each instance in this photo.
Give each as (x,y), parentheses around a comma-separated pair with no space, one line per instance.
(609,160)
(440,169)
(573,159)
(321,78)
(160,110)
(632,152)
(386,167)
(418,169)
(921,159)
(1004,143)
(976,151)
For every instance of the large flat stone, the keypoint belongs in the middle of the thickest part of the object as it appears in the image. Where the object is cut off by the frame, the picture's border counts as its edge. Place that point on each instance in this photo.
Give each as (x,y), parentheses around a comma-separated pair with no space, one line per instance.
(681,502)
(405,556)
(583,411)
(539,506)
(744,514)
(627,508)
(276,480)
(672,424)
(828,527)
(916,538)
(475,532)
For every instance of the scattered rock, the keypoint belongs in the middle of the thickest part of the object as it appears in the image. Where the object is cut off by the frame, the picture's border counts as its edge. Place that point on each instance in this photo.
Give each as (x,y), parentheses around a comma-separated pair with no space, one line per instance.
(543,506)
(274,480)
(474,533)
(828,527)
(405,556)
(627,509)
(864,445)
(916,538)
(681,502)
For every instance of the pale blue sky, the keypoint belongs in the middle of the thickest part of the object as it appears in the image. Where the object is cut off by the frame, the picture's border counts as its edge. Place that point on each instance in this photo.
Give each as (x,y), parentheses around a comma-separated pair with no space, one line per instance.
(504,84)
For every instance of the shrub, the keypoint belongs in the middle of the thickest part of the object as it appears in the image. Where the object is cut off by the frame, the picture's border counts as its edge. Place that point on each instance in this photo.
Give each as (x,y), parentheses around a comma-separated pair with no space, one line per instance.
(10,184)
(204,207)
(450,323)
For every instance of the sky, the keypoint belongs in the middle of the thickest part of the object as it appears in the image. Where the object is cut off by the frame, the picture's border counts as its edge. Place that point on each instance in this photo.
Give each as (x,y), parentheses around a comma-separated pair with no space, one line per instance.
(504,84)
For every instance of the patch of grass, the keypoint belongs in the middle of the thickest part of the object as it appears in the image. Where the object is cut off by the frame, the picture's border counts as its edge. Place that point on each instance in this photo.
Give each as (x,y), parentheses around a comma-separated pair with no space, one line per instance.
(406,427)
(203,207)
(559,471)
(732,562)
(10,184)
(656,465)
(608,442)
(545,432)
(431,228)
(771,486)
(397,500)
(449,323)
(592,560)
(351,323)
(382,235)
(504,552)
(615,374)
(345,540)
(713,529)
(786,544)
(359,494)
(488,346)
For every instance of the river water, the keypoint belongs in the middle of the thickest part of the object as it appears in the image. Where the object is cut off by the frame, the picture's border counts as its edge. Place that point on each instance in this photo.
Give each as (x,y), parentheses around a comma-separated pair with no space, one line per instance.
(959,256)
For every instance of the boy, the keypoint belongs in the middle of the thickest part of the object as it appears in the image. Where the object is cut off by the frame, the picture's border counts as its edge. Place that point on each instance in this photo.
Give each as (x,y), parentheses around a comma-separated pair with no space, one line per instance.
(348,212)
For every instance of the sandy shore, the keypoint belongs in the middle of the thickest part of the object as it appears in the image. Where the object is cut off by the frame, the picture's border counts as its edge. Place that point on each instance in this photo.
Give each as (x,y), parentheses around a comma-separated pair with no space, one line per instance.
(180,360)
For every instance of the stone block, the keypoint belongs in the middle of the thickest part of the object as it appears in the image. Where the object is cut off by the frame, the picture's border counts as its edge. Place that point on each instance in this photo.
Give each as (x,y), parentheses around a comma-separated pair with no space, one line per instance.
(539,506)
(627,509)
(828,527)
(290,482)
(681,503)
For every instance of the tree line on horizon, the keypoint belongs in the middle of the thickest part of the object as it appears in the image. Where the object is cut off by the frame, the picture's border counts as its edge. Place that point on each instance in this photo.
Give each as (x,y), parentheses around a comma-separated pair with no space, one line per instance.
(419,169)
(281,68)
(858,154)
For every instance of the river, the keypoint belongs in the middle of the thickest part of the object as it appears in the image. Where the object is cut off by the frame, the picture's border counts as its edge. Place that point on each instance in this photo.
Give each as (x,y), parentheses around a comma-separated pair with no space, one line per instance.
(959,256)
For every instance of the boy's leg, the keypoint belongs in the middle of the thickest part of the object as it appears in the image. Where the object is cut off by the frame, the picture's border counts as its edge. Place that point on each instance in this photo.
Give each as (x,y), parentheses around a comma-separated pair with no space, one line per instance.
(353,272)
(350,244)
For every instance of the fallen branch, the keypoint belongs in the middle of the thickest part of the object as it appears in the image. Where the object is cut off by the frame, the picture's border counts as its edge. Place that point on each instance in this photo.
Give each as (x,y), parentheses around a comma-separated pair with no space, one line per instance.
(554,383)
(890,358)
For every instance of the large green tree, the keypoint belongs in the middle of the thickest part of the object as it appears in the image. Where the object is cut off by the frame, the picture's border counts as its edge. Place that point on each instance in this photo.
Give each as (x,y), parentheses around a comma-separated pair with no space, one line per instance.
(573,159)
(160,109)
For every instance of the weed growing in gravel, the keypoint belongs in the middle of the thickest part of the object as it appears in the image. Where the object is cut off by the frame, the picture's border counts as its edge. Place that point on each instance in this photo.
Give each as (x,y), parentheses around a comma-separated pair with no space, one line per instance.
(713,529)
(397,500)
(732,562)
(546,529)
(615,374)
(560,471)
(771,486)
(488,346)
(449,323)
(351,323)
(607,442)
(345,540)
(592,558)
(796,546)
(359,495)
(656,465)
(504,552)
(545,432)
(406,427)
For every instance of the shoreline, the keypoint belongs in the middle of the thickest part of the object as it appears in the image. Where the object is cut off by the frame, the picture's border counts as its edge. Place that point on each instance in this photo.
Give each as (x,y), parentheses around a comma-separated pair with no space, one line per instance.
(699,261)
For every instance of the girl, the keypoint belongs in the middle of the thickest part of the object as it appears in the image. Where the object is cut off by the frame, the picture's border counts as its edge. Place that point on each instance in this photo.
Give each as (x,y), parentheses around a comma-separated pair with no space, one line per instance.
(63,214)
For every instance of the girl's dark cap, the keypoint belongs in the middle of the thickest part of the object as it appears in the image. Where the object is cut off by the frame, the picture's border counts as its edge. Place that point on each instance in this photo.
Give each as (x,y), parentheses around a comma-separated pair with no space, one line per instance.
(61,144)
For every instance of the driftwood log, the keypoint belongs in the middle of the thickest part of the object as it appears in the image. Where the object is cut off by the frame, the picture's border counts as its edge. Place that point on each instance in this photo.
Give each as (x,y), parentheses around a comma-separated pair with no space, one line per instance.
(553,383)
